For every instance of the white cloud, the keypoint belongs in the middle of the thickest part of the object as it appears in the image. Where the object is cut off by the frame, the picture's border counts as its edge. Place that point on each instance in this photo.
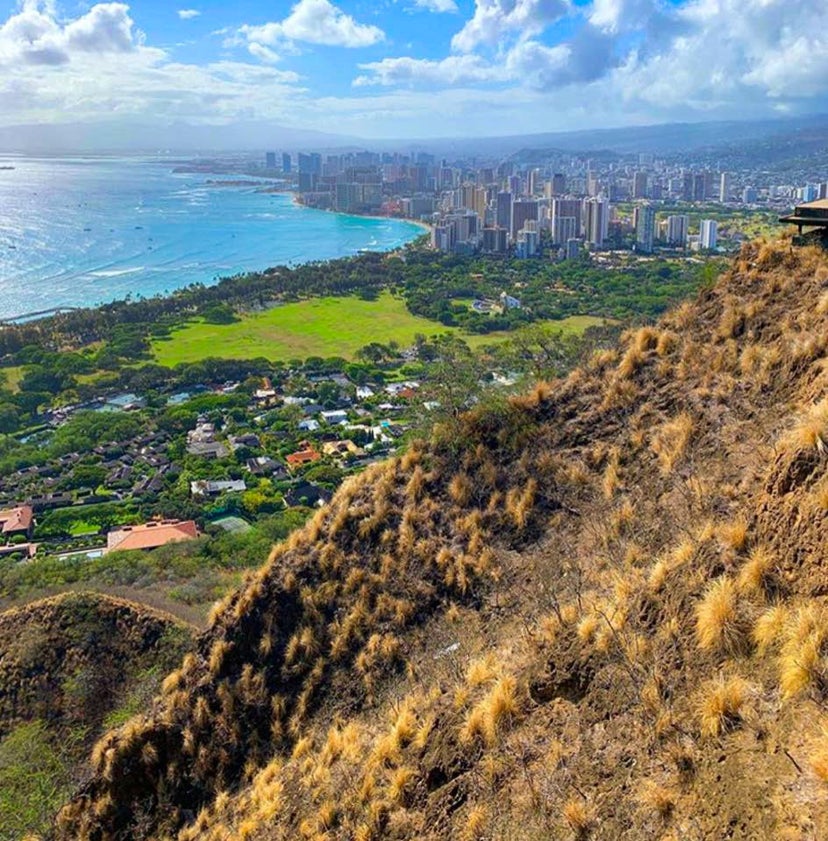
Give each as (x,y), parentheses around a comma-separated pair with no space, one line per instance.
(188,14)
(315,22)
(437,5)
(494,20)
(33,35)
(449,72)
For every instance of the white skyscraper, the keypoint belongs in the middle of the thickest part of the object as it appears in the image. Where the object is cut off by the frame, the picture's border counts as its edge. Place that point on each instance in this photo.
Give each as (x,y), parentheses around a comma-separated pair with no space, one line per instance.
(677,230)
(597,221)
(724,187)
(709,228)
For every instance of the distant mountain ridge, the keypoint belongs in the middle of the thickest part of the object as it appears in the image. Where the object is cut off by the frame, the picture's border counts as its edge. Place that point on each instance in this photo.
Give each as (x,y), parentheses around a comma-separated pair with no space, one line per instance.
(255,136)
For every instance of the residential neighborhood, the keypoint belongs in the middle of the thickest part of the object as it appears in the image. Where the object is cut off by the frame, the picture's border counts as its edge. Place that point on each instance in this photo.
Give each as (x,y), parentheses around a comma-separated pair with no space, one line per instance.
(228,449)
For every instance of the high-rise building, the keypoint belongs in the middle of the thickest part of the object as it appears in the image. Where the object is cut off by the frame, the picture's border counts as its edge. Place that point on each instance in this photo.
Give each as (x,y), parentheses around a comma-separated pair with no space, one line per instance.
(593,187)
(724,187)
(677,227)
(567,208)
(523,211)
(270,160)
(558,184)
(749,195)
(596,221)
(640,185)
(503,210)
(564,228)
(285,162)
(573,248)
(709,229)
(644,228)
(532,182)
(495,240)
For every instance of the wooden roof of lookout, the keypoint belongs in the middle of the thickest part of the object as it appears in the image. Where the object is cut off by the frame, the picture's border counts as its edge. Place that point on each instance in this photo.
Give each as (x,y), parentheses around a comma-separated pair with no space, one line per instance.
(812,214)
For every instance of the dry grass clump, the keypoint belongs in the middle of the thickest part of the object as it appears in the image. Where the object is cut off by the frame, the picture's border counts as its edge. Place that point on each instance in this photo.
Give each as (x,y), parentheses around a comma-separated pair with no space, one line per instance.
(811,430)
(475,823)
(720,620)
(493,713)
(670,442)
(657,798)
(802,661)
(721,705)
(769,627)
(755,577)
(818,756)
(578,817)
(735,534)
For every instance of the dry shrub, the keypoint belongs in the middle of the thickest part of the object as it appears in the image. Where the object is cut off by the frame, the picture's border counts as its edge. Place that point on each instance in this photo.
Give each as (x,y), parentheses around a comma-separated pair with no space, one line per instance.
(756,575)
(802,663)
(493,713)
(475,823)
(632,360)
(811,429)
(671,440)
(401,783)
(657,798)
(578,817)
(721,705)
(720,621)
(769,627)
(482,671)
(734,535)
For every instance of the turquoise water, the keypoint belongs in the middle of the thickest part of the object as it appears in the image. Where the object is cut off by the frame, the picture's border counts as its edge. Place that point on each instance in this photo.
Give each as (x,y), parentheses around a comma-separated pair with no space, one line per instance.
(83,231)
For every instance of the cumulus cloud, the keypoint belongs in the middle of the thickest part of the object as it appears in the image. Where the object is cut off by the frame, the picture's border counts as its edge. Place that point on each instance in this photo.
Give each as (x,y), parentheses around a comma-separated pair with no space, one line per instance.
(495,19)
(315,22)
(33,35)
(188,14)
(437,5)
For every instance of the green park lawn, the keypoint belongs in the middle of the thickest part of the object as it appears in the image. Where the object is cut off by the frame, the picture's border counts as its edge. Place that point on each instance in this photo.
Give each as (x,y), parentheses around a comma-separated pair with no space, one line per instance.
(317,327)
(10,377)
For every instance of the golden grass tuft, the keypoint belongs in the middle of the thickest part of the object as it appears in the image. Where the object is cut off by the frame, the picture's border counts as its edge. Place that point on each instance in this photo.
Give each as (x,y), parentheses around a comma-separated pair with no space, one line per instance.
(811,429)
(400,785)
(802,662)
(670,442)
(769,626)
(721,705)
(657,798)
(493,713)
(482,671)
(734,535)
(578,817)
(719,624)
(475,823)
(755,576)
(818,756)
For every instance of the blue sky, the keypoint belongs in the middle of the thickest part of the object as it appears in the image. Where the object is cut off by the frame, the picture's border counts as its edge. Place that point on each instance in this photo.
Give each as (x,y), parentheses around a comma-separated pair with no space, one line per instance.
(412,68)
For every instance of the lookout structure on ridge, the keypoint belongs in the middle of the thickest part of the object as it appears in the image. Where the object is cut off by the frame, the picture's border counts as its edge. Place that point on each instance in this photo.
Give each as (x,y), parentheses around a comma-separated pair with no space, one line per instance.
(812,214)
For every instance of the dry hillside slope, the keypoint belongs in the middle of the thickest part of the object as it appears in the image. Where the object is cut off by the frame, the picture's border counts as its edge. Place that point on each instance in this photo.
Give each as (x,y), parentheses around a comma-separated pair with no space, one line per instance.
(597,611)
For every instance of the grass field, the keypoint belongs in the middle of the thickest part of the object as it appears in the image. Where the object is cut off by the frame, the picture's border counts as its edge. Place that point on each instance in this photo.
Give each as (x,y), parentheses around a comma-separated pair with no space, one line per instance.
(318,327)
(10,377)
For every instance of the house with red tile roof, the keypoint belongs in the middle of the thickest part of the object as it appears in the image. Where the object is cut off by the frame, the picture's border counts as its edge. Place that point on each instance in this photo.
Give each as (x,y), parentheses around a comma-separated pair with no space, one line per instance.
(305,455)
(19,520)
(150,535)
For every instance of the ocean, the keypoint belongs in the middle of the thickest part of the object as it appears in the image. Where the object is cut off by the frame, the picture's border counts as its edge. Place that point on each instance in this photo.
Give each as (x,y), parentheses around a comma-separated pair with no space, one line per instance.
(78,232)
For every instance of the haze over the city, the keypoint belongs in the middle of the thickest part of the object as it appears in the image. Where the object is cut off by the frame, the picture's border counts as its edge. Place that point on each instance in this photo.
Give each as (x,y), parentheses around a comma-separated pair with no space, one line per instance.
(401,68)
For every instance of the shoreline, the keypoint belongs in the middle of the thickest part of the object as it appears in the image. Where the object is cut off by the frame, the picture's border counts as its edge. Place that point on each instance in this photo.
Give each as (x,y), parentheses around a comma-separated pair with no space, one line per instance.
(424,226)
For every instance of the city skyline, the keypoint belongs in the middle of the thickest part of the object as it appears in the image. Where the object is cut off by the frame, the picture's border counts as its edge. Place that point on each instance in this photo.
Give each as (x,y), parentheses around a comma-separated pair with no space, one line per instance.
(416,68)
